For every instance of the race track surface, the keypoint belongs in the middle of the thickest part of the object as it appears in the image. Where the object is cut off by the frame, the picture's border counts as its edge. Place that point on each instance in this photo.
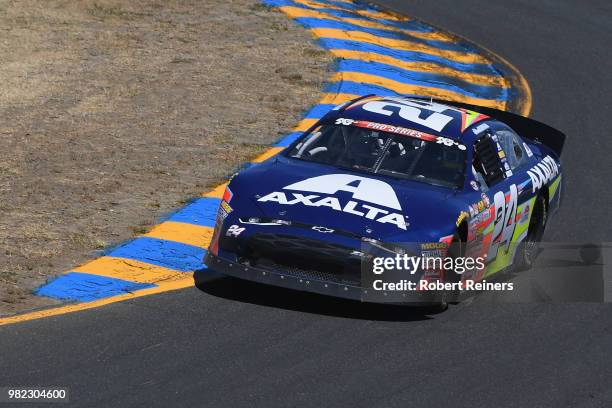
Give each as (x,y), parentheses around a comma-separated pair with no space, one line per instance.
(238,344)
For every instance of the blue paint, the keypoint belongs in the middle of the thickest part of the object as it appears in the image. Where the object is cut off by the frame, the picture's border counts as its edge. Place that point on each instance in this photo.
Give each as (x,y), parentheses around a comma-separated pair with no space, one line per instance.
(246,165)
(408,25)
(85,287)
(288,139)
(169,254)
(427,79)
(349,6)
(359,88)
(202,211)
(331,43)
(310,22)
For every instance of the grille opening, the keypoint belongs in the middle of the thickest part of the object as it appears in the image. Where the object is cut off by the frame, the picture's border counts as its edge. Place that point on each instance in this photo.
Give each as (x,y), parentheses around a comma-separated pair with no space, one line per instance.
(302,257)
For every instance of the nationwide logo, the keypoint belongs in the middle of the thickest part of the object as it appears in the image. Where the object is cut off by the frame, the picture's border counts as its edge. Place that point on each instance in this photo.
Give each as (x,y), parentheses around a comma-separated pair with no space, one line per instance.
(542,173)
(362,188)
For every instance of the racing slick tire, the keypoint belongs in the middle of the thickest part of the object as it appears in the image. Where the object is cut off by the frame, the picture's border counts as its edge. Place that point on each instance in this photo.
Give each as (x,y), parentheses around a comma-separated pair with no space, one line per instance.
(199,279)
(435,308)
(457,249)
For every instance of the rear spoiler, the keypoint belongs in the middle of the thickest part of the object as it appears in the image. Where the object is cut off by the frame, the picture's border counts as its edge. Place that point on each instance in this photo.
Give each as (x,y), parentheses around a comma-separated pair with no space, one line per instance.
(527,128)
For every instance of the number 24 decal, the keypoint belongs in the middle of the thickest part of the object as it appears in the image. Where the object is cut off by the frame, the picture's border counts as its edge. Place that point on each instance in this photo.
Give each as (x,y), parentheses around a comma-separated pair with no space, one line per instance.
(505,221)
(234,231)
(412,110)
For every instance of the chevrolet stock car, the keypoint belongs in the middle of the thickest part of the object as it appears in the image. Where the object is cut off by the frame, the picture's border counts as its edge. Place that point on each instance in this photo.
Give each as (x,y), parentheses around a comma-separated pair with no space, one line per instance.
(386,175)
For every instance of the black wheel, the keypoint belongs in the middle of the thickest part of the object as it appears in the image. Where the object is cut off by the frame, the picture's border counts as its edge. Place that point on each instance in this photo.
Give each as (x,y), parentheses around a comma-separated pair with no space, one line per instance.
(529,248)
(198,279)
(457,249)
(436,308)
(590,253)
(203,277)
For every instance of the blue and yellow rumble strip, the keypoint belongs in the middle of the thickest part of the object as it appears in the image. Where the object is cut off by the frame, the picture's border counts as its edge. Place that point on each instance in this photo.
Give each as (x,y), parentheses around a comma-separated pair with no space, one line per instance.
(377,52)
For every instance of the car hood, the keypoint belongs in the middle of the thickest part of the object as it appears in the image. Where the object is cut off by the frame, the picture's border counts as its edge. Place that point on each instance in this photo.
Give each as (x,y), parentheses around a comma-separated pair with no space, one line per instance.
(360,203)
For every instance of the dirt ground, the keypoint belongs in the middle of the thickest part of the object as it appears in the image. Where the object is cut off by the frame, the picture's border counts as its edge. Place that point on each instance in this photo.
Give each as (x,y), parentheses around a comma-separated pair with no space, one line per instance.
(115,112)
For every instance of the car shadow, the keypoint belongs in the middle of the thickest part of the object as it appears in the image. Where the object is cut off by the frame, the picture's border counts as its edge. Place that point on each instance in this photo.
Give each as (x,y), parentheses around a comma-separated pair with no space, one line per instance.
(241,290)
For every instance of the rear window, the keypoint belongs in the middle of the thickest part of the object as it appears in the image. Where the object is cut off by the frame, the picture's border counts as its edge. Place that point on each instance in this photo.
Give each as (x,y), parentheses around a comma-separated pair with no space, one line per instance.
(433,160)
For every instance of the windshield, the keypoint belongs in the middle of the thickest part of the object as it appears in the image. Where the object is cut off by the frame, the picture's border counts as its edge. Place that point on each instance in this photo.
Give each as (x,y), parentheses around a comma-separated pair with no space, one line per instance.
(420,157)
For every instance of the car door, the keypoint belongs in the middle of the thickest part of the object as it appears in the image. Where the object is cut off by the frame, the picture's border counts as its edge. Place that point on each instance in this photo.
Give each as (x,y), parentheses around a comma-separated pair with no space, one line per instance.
(499,161)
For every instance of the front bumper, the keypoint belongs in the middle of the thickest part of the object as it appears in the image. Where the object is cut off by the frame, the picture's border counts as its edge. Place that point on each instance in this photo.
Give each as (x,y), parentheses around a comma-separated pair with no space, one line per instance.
(309,284)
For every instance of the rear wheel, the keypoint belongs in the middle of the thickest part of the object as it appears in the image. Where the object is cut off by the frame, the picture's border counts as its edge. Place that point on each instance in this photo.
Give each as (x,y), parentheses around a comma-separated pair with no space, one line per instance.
(435,308)
(529,248)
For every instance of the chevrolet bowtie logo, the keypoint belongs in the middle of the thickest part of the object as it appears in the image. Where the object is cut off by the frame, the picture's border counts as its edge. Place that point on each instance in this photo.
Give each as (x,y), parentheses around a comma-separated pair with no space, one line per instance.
(324,230)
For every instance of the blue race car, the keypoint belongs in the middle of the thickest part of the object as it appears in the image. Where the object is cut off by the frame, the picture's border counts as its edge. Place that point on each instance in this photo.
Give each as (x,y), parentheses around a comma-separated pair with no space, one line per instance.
(391,175)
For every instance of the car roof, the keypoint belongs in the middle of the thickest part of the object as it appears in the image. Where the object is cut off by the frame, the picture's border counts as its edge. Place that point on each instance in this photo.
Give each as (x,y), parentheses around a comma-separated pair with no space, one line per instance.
(419,114)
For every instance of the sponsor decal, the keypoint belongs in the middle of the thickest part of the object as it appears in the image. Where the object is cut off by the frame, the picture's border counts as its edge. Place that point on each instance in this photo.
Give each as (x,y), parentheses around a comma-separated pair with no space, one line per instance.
(483,217)
(480,206)
(221,215)
(525,215)
(434,253)
(363,190)
(345,122)
(226,207)
(474,185)
(485,198)
(223,212)
(386,128)
(506,166)
(433,245)
(450,142)
(542,173)
(398,130)
(228,195)
(480,222)
(461,217)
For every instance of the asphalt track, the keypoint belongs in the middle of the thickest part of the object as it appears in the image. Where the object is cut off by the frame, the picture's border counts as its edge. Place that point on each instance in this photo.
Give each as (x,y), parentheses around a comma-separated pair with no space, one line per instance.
(237,345)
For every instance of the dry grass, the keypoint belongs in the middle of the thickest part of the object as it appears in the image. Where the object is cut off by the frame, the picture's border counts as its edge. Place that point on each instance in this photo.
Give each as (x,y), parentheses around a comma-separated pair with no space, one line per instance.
(114,112)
